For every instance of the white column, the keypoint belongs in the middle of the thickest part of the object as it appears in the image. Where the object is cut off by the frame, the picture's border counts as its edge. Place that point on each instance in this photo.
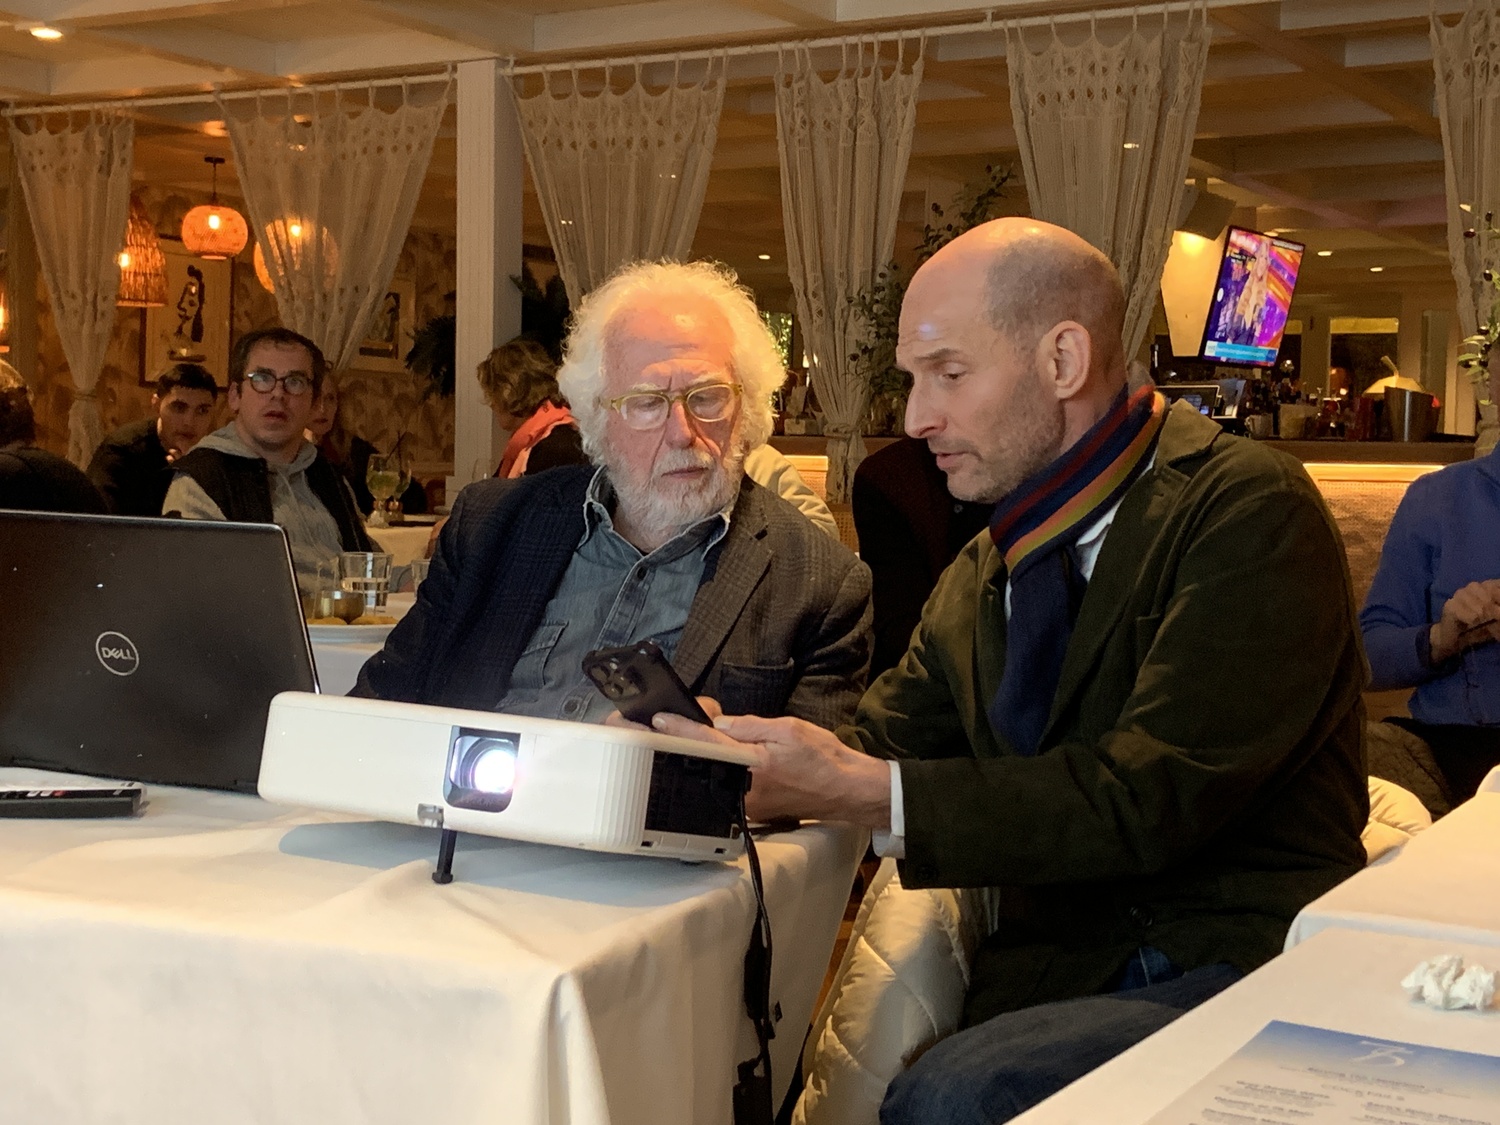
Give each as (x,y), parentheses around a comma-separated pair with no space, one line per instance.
(490,176)
(1316,357)
(1409,336)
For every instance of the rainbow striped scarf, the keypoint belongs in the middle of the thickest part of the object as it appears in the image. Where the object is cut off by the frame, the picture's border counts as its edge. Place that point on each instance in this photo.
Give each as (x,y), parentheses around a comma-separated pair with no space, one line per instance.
(1084,481)
(1035,529)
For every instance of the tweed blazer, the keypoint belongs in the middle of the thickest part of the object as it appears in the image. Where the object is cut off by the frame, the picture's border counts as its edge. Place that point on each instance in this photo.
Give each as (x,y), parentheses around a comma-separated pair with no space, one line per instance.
(780,623)
(1201,776)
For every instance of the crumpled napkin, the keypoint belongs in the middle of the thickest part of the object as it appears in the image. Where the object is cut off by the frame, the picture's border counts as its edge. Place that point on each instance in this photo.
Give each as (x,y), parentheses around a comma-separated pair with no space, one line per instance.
(1443,982)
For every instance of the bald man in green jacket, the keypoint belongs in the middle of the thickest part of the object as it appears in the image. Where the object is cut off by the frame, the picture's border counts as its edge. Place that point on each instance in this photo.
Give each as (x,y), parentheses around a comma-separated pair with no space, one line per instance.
(1133,705)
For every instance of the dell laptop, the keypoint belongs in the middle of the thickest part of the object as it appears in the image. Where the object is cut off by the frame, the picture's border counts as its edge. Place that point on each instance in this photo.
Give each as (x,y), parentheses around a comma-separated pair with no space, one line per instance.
(145,649)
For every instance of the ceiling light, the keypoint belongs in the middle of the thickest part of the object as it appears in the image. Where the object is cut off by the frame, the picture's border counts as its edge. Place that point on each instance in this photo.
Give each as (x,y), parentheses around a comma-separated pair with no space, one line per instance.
(42,31)
(212,230)
(764,257)
(1325,253)
(1377,269)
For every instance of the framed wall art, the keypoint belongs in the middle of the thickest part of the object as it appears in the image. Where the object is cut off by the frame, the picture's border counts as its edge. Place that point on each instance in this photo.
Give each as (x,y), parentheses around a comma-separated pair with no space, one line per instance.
(193,326)
(385,345)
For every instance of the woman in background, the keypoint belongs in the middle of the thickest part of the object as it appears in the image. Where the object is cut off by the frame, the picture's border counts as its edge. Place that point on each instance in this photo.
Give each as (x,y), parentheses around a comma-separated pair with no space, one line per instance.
(519,380)
(350,453)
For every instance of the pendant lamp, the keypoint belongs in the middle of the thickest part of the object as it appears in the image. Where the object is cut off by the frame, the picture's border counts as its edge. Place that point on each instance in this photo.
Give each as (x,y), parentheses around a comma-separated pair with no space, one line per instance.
(143,267)
(212,230)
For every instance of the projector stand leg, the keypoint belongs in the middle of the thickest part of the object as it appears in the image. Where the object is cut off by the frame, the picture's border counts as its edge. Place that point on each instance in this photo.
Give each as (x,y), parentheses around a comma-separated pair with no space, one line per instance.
(444,872)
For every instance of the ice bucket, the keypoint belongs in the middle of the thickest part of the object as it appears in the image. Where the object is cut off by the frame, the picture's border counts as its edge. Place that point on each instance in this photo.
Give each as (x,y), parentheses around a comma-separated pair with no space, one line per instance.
(1409,414)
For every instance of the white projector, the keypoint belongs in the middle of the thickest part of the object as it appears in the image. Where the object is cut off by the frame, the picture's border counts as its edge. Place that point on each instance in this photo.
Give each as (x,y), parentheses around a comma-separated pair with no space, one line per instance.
(550,782)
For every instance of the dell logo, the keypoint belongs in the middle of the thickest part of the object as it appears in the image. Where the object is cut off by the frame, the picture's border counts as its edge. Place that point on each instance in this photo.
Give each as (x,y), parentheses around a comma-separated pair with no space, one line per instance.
(117,653)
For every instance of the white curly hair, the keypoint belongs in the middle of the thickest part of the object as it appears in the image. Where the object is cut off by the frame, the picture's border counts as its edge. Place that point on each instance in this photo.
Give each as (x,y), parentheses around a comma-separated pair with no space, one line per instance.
(756,362)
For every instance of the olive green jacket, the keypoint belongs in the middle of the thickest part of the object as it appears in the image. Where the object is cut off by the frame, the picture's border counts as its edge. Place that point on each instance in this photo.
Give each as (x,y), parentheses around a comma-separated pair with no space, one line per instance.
(1201,776)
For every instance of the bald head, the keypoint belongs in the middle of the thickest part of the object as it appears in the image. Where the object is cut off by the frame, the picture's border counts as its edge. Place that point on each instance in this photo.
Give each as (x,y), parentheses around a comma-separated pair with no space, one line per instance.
(1011,333)
(1034,276)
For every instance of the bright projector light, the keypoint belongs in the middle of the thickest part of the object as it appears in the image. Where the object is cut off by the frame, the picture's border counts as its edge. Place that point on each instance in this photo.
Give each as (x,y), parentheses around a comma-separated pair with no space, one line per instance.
(481,770)
(495,770)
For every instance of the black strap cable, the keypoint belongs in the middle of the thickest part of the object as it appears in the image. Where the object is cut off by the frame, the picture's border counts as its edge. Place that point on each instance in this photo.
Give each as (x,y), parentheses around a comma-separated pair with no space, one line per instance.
(752,1093)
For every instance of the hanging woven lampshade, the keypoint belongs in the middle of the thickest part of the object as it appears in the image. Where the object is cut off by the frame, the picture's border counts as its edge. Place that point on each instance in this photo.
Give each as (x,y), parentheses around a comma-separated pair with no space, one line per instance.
(307,247)
(212,230)
(262,274)
(143,267)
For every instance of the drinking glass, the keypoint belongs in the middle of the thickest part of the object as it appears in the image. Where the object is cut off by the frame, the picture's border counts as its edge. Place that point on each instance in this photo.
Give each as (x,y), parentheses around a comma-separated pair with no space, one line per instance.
(385,478)
(418,573)
(367,573)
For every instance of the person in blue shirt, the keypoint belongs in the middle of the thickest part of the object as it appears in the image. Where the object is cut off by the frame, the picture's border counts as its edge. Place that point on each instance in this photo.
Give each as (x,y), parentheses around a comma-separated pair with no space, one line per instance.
(1432,617)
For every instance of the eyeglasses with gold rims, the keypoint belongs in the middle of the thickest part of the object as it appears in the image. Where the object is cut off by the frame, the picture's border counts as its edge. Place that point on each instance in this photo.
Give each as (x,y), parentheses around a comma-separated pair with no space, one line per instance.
(265,383)
(646,410)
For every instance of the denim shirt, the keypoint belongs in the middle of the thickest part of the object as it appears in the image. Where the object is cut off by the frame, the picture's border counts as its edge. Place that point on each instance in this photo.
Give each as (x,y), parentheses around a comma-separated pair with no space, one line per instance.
(610,595)
(1444,535)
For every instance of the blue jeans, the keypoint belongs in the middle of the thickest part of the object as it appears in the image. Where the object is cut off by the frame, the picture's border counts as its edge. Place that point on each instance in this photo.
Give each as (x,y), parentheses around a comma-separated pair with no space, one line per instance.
(996,1070)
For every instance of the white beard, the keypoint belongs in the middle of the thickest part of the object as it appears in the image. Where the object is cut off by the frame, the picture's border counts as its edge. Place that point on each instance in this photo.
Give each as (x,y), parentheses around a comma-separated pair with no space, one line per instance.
(660,508)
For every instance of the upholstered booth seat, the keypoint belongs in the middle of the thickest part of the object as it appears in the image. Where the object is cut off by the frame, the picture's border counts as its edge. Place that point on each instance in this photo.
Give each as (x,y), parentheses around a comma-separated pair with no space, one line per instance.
(901,983)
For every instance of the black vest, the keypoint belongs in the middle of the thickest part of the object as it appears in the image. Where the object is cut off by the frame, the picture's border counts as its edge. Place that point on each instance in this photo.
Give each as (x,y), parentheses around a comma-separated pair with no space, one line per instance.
(242,490)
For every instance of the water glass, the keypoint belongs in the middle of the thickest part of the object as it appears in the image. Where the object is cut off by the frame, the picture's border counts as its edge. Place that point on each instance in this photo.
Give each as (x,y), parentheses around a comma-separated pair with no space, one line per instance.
(418,573)
(367,573)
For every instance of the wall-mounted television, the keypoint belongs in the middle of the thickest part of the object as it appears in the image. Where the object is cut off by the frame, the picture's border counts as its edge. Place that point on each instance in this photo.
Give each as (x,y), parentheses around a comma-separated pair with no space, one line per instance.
(1251,299)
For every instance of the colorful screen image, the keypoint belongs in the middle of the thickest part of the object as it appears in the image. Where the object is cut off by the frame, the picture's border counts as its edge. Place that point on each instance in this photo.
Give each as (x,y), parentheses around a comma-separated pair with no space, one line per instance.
(1251,298)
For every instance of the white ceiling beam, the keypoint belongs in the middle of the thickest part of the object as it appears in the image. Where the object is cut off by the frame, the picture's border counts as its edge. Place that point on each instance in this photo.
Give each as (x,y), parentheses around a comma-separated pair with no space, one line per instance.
(494,29)
(808,14)
(1430,210)
(115,13)
(1235,66)
(193,45)
(1324,68)
(1305,153)
(658,24)
(1378,185)
(130,75)
(1393,49)
(1358,217)
(25,77)
(1331,15)
(394,50)
(1270,119)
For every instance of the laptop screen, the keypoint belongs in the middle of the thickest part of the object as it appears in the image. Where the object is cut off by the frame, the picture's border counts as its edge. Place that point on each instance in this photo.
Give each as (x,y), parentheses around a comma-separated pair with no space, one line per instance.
(145,649)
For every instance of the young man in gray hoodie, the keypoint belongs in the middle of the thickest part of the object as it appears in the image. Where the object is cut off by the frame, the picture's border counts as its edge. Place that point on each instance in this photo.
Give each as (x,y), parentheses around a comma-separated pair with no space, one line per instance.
(259,468)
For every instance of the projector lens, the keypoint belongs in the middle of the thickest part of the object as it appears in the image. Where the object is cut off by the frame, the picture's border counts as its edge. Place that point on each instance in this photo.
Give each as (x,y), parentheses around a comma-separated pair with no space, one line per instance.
(481,771)
(493,769)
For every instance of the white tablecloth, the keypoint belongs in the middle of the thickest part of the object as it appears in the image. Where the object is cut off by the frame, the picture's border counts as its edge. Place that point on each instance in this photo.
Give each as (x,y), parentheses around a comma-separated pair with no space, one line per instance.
(223,960)
(1344,980)
(404,543)
(338,662)
(1444,882)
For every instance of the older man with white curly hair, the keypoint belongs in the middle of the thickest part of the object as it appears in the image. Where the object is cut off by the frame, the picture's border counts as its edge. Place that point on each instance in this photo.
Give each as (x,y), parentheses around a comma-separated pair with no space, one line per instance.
(669,372)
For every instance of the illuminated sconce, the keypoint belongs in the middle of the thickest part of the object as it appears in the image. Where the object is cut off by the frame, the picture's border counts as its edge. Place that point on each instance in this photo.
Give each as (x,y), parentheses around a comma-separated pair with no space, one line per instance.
(143,267)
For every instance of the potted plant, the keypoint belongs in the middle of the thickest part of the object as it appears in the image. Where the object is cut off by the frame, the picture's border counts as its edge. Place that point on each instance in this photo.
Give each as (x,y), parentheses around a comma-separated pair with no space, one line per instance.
(878,308)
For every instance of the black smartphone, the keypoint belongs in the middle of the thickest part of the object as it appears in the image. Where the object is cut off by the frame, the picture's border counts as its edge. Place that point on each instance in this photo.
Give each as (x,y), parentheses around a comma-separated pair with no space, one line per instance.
(639,681)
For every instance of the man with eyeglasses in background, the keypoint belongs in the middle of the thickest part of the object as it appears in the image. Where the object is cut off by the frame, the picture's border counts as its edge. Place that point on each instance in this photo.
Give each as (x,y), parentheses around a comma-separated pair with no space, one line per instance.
(259,468)
(669,372)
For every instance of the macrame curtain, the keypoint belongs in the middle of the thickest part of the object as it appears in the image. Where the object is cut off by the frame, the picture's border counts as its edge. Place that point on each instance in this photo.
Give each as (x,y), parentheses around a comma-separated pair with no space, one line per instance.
(620,174)
(77,186)
(844,144)
(1466,65)
(1105,133)
(331,180)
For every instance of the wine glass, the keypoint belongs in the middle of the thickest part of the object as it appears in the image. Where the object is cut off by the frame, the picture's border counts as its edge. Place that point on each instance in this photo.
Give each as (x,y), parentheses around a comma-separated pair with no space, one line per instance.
(385,478)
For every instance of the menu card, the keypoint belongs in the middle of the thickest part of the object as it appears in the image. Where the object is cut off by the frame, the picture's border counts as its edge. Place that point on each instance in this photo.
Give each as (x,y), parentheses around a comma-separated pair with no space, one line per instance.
(1290,1073)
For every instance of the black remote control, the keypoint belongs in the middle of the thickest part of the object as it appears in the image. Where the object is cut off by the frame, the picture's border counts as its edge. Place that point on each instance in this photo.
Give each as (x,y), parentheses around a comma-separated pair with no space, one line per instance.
(47,803)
